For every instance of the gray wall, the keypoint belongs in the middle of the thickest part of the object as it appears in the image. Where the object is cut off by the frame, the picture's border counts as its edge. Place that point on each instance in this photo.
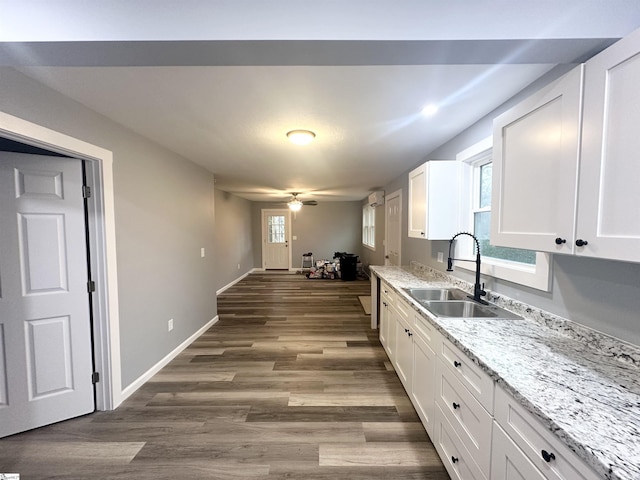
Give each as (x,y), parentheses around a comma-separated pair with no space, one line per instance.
(323,229)
(234,247)
(601,294)
(164,213)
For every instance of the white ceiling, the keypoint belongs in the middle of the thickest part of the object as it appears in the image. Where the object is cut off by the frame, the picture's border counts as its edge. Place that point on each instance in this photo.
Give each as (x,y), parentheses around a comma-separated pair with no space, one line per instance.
(225,97)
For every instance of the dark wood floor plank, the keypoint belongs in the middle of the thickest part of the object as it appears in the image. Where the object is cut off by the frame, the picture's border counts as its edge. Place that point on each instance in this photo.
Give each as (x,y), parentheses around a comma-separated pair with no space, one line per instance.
(291,383)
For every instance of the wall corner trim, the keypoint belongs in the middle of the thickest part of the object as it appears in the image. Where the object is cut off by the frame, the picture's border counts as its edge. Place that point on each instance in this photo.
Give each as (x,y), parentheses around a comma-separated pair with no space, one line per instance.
(142,379)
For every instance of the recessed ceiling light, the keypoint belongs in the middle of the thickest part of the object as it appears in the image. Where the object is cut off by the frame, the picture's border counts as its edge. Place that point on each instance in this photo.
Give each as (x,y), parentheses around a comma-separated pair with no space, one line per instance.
(301,137)
(430,109)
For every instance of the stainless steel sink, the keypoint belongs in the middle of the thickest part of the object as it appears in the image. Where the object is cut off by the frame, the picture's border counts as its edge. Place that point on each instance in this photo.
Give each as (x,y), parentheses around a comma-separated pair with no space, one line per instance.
(468,309)
(427,294)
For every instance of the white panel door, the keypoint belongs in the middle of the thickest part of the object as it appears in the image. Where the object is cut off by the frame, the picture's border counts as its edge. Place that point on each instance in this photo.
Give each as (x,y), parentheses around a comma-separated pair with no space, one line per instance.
(275,239)
(45,330)
(393,225)
(535,169)
(418,202)
(608,213)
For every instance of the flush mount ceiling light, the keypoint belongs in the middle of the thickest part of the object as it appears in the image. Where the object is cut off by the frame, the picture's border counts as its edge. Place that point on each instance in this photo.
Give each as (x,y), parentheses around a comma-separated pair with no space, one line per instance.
(430,109)
(301,137)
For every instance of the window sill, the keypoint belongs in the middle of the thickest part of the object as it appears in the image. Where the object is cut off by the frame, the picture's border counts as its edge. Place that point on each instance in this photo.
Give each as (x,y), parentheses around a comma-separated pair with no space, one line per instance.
(369,247)
(536,276)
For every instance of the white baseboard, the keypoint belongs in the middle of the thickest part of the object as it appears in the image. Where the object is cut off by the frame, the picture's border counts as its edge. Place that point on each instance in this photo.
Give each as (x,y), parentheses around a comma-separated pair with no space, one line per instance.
(229,285)
(142,379)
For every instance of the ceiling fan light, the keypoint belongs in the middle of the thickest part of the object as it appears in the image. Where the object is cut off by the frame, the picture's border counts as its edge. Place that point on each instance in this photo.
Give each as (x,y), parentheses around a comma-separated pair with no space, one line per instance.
(301,137)
(295,205)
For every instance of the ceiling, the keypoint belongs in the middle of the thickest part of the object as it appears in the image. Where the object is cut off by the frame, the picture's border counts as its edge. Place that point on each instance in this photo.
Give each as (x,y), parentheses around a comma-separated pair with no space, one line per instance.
(223,94)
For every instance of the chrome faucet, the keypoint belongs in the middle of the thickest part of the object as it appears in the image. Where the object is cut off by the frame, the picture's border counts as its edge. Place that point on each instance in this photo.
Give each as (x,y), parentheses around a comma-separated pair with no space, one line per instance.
(478,291)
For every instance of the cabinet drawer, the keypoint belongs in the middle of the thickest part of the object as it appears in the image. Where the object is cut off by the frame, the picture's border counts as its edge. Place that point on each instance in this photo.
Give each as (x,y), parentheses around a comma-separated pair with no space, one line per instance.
(404,310)
(454,455)
(532,437)
(465,414)
(470,374)
(387,294)
(426,331)
(508,462)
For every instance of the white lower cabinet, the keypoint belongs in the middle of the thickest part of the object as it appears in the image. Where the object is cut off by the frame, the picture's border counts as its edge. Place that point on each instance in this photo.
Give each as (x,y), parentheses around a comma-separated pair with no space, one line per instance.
(479,430)
(455,457)
(553,459)
(508,462)
(466,415)
(423,383)
(404,351)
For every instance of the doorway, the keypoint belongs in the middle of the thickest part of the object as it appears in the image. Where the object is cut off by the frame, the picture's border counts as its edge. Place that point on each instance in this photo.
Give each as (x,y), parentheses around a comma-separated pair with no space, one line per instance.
(393,228)
(276,233)
(100,241)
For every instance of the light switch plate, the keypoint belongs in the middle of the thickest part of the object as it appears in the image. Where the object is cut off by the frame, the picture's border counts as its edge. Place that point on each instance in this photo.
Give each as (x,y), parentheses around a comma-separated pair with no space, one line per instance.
(202,252)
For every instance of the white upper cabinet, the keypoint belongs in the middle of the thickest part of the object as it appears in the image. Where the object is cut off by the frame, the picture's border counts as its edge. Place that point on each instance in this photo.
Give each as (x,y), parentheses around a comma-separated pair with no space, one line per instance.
(609,193)
(535,168)
(434,200)
(569,184)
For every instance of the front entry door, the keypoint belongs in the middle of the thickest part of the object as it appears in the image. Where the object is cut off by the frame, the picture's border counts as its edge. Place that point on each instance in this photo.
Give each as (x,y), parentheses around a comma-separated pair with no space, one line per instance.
(393,234)
(275,239)
(45,330)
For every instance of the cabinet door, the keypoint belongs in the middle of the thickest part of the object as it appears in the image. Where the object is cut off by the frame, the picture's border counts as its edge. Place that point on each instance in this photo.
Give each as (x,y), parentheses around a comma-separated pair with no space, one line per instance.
(418,202)
(404,353)
(535,168)
(608,213)
(423,383)
(507,460)
(391,334)
(435,191)
(384,323)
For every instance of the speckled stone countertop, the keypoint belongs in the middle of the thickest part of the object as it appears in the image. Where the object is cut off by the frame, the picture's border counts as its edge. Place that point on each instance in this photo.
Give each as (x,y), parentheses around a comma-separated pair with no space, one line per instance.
(582,385)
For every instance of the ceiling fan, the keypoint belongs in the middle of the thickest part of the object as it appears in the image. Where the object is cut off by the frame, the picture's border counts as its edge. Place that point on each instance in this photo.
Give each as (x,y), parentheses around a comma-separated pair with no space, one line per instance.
(296,204)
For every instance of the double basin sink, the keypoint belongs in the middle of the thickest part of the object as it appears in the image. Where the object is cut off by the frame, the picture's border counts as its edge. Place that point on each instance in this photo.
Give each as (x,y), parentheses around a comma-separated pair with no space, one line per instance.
(455,303)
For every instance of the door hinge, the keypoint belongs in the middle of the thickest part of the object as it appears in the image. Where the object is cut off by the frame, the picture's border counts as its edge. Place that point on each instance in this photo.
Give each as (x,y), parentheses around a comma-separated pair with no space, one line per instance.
(91,286)
(95,377)
(86,191)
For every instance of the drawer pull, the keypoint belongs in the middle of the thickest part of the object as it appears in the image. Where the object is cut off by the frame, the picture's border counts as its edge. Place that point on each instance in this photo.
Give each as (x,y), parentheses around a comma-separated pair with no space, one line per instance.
(547,456)
(454,459)
(456,363)
(406,330)
(385,304)
(410,334)
(457,405)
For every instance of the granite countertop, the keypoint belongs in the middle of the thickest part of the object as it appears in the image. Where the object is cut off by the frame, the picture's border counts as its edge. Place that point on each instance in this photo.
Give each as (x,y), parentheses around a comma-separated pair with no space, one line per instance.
(582,385)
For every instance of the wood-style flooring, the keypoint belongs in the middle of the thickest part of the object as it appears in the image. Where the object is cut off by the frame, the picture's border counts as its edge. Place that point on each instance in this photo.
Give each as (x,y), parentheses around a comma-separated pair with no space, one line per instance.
(291,383)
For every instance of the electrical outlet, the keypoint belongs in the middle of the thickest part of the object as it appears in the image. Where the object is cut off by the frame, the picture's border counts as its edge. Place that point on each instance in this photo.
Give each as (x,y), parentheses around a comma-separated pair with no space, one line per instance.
(440,257)
(170,324)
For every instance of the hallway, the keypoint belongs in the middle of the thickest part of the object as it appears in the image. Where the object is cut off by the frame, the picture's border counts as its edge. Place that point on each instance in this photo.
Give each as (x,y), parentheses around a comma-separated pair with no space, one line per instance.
(291,383)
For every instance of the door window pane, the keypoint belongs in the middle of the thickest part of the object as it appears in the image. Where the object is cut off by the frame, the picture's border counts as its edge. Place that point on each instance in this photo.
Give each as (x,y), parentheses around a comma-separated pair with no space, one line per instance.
(276,232)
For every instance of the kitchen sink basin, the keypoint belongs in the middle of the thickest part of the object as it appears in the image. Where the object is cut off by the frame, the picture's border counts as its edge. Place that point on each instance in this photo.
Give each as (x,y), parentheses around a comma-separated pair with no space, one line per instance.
(427,294)
(467,309)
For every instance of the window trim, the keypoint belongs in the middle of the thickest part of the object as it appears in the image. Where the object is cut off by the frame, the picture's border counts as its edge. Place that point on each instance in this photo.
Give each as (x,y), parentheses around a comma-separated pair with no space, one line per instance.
(536,276)
(369,222)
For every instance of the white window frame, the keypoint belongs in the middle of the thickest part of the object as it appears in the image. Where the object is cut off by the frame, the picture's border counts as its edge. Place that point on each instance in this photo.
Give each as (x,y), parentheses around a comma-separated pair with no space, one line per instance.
(369,226)
(536,276)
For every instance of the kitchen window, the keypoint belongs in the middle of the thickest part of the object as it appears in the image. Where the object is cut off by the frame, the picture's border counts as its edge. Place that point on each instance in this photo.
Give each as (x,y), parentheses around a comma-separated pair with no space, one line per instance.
(524,267)
(369,226)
